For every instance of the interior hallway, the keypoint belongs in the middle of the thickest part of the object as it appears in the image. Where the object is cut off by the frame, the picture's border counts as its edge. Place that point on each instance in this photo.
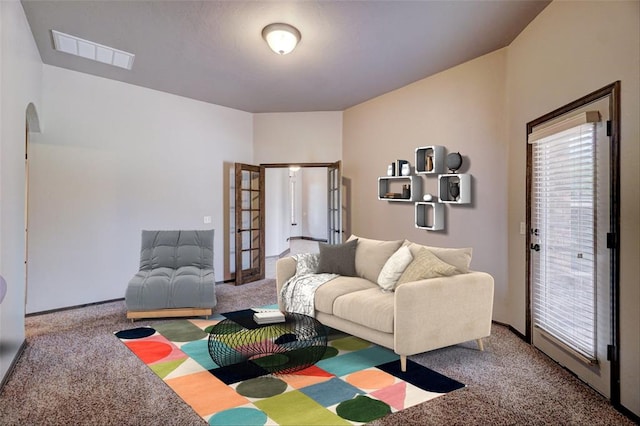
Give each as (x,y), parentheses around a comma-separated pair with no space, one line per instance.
(295,246)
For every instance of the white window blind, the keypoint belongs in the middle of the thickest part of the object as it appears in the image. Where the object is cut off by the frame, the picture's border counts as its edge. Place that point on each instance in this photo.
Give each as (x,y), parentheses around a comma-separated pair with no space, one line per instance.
(564,216)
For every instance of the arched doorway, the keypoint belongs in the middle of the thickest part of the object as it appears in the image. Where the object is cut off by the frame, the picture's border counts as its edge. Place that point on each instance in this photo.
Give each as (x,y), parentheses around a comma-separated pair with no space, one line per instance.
(32,125)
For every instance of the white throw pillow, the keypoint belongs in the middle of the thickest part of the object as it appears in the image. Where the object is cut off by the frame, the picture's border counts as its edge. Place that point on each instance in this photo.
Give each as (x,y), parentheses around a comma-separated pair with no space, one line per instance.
(394,267)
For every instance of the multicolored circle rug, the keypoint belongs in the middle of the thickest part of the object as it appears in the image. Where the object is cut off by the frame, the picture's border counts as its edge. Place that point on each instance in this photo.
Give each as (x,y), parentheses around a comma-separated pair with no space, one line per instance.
(356,381)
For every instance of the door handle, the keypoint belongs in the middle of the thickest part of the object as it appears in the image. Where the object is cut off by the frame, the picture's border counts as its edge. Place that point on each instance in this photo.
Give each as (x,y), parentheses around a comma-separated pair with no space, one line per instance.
(535,247)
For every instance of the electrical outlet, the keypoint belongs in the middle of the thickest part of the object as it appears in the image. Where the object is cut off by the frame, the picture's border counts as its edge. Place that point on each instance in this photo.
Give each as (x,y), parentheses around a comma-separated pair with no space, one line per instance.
(207,219)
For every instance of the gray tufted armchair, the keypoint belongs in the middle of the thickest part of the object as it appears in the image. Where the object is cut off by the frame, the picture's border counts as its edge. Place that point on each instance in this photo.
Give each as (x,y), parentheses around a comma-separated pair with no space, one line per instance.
(176,276)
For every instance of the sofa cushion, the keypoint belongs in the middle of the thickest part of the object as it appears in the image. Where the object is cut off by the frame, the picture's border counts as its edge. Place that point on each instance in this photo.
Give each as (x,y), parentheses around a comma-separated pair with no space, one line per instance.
(426,265)
(394,267)
(338,258)
(458,257)
(328,292)
(371,255)
(371,308)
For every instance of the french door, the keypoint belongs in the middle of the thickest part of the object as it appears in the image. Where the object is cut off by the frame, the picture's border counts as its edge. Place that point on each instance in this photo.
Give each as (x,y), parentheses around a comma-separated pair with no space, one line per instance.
(249,223)
(572,217)
(334,204)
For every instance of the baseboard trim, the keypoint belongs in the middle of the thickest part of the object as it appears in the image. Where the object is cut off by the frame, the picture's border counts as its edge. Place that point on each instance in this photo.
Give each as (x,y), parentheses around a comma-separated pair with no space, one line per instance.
(284,253)
(511,329)
(630,414)
(321,240)
(23,346)
(67,308)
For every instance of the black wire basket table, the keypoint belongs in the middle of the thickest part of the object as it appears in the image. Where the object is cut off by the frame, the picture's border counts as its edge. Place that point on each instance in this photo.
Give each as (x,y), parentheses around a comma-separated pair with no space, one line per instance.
(281,348)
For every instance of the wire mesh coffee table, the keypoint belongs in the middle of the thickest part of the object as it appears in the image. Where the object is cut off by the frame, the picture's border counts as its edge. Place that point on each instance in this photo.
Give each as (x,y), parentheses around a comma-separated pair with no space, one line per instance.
(282,348)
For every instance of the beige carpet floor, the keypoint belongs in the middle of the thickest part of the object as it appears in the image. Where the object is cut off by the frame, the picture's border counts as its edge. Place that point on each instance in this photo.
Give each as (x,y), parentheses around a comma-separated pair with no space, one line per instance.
(74,372)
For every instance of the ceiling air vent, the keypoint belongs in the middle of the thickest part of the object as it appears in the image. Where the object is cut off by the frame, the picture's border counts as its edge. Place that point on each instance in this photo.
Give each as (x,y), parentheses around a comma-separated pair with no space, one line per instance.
(87,49)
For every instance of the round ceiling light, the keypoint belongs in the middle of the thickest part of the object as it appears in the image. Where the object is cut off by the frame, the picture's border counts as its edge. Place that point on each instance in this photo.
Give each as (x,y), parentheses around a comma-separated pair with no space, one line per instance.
(281,38)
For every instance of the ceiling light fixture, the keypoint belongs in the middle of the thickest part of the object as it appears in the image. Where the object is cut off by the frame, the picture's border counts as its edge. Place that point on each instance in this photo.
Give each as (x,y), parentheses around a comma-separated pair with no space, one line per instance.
(87,49)
(281,38)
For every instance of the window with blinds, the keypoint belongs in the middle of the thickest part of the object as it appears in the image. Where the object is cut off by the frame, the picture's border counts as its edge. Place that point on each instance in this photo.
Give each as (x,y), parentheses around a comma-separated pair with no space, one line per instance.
(564,222)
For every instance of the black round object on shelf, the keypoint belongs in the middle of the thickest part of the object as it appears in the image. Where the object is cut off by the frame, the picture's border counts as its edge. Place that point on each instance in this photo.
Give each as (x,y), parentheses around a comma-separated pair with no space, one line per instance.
(454,161)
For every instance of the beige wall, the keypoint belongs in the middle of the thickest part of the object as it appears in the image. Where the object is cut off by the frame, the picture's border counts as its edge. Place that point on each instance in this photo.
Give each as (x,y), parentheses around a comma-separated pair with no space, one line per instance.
(568,51)
(304,137)
(299,137)
(463,110)
(20,85)
(481,109)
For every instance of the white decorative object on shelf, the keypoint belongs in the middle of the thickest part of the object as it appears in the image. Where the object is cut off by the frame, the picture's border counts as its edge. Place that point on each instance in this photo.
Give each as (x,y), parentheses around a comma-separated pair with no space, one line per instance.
(400,167)
(427,197)
(454,188)
(406,169)
(390,188)
(429,216)
(391,169)
(430,159)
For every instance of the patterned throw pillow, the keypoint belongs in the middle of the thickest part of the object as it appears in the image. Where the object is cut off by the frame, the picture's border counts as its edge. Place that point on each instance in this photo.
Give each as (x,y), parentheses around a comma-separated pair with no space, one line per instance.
(394,267)
(338,258)
(306,263)
(426,265)
(458,257)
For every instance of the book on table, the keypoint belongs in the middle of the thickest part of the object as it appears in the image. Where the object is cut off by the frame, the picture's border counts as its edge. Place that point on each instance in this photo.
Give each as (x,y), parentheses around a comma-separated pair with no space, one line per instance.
(268,317)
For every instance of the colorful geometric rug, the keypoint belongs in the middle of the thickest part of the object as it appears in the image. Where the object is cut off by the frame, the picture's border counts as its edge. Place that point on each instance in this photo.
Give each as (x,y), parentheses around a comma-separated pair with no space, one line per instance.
(356,381)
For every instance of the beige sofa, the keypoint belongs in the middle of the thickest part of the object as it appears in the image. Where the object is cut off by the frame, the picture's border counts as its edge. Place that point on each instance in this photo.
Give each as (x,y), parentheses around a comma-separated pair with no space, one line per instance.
(417,316)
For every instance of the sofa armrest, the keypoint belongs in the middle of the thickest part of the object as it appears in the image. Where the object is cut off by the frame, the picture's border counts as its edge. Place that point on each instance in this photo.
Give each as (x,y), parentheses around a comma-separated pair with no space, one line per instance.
(285,269)
(444,311)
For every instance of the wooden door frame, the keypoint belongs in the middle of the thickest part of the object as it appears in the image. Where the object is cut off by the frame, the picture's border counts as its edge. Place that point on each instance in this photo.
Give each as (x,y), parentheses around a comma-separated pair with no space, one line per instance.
(287,165)
(613,92)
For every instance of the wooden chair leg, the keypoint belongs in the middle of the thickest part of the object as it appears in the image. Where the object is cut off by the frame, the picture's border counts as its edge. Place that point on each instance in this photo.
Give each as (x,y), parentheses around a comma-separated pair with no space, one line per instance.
(480,345)
(403,363)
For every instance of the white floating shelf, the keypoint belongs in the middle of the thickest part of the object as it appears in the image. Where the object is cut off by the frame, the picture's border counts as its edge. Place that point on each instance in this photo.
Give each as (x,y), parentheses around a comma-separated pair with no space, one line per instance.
(447,182)
(393,184)
(429,216)
(436,165)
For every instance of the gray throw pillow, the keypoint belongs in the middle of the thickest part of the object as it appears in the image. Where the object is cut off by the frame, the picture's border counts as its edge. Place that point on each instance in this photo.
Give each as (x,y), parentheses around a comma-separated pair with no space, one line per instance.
(338,258)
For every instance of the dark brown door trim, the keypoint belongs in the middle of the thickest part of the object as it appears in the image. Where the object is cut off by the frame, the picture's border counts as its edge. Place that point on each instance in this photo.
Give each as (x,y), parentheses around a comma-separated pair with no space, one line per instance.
(613,92)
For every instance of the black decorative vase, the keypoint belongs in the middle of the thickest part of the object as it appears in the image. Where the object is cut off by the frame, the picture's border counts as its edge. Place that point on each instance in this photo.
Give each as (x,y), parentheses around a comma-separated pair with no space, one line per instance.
(454,190)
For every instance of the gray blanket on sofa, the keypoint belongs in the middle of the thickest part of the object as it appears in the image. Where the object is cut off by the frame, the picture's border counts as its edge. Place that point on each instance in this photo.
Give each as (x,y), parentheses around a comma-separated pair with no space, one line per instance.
(299,291)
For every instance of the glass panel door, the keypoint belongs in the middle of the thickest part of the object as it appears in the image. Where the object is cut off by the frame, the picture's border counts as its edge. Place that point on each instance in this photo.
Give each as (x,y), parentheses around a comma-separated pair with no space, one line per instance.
(334,204)
(570,275)
(250,242)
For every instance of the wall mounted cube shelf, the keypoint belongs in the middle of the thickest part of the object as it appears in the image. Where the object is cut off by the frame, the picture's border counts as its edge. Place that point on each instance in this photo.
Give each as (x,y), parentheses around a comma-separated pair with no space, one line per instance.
(429,216)
(430,159)
(393,185)
(447,182)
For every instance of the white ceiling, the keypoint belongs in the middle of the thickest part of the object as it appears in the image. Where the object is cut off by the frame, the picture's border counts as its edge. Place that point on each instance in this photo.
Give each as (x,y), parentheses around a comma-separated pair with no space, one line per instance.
(213,51)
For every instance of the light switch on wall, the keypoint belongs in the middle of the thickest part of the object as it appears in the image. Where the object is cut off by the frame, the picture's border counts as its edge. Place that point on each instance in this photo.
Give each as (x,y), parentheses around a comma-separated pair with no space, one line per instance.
(207,219)
(523,229)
